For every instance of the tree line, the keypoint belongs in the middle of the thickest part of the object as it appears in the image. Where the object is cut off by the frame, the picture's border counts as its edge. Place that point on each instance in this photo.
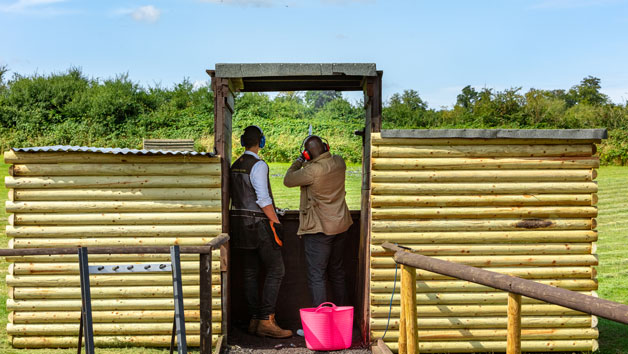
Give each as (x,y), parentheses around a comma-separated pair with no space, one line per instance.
(68,108)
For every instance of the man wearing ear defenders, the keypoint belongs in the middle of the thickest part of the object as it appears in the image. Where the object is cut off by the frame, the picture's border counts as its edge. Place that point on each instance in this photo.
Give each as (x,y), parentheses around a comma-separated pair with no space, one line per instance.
(323,218)
(257,233)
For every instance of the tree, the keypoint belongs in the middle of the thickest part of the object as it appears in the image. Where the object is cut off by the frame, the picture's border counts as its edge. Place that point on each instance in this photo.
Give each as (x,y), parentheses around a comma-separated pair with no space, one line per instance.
(588,92)
(318,99)
(406,110)
(467,98)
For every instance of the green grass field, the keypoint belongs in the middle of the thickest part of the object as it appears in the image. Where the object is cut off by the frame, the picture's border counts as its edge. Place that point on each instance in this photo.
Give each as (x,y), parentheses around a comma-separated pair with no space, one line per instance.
(612,251)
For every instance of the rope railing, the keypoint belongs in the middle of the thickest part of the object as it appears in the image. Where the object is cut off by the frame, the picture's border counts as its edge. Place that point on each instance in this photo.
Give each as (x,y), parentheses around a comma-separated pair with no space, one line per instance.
(205,271)
(516,287)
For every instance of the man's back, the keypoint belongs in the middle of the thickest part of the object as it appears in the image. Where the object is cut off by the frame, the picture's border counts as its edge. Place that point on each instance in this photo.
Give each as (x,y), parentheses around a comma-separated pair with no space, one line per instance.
(323,206)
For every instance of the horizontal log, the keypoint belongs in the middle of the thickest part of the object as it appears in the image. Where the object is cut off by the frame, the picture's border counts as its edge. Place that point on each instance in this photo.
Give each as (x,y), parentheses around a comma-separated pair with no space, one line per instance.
(522,272)
(473,310)
(505,261)
(112,206)
(511,150)
(497,334)
(487,237)
(483,188)
(154,341)
(580,345)
(15,157)
(483,200)
(21,243)
(102,280)
(113,169)
(118,292)
(144,316)
(65,195)
(507,163)
(484,212)
(473,298)
(114,231)
(583,175)
(479,225)
(491,249)
(490,322)
(595,306)
(104,304)
(75,182)
(147,218)
(187,267)
(435,286)
(191,328)
(376,139)
(93,258)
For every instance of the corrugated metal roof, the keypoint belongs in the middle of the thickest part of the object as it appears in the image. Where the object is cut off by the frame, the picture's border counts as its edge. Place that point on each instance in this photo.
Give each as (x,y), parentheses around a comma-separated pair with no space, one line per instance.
(115,151)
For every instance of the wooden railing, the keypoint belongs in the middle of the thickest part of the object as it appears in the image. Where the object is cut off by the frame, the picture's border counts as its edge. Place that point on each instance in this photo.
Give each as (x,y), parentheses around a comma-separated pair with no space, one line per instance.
(205,271)
(516,287)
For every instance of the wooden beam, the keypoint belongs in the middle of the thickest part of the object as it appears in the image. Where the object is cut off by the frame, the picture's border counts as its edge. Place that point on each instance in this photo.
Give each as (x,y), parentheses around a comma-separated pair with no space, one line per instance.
(588,304)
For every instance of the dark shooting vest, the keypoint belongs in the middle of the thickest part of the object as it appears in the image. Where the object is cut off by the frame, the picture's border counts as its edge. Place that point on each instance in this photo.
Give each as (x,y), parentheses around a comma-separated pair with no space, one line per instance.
(245,214)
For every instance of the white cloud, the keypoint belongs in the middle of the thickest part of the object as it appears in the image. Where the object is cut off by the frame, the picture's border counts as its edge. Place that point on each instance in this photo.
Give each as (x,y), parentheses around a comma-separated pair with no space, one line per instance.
(147,13)
(245,3)
(199,84)
(30,6)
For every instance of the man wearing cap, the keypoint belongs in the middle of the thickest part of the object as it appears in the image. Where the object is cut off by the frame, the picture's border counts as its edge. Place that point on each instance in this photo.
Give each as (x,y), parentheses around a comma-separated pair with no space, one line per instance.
(256,233)
(323,216)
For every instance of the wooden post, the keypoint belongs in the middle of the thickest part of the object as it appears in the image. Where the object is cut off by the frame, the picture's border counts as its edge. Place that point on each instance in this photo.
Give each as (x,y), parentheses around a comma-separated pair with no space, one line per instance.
(403,340)
(408,300)
(513,340)
(205,272)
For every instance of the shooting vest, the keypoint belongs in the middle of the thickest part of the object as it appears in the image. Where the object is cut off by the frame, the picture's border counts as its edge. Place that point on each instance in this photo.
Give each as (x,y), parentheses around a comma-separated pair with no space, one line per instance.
(245,214)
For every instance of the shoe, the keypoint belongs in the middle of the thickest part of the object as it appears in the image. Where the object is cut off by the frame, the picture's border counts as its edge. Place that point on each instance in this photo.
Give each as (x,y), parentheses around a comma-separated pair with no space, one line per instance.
(253,326)
(269,328)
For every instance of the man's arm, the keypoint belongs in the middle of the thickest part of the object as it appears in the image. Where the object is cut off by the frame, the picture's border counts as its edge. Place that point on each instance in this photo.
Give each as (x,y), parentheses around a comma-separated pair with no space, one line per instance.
(259,180)
(297,176)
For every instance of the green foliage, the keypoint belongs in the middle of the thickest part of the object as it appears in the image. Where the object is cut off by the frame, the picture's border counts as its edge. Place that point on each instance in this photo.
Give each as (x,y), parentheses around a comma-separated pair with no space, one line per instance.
(70,108)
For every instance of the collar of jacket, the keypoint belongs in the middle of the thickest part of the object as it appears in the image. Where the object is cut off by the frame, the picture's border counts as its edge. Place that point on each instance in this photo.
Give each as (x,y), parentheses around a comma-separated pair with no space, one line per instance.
(322,156)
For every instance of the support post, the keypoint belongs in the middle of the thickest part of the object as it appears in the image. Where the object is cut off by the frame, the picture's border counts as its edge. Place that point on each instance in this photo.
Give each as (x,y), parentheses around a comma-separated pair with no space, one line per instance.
(408,299)
(86,303)
(513,339)
(177,289)
(205,271)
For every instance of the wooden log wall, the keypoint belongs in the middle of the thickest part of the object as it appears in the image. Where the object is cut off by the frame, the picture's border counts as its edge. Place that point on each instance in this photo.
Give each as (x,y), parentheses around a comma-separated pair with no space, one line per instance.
(71,199)
(519,207)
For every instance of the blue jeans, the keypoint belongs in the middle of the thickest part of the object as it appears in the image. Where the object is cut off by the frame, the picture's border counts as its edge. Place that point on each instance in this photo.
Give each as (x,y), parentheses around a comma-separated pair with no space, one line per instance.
(323,255)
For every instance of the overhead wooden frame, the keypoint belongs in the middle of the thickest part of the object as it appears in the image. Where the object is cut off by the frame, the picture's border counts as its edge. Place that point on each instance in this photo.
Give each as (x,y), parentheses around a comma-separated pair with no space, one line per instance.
(228,79)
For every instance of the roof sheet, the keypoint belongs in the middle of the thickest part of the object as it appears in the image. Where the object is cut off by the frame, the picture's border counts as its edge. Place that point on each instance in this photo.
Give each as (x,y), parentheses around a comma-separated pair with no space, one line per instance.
(294,69)
(584,134)
(115,151)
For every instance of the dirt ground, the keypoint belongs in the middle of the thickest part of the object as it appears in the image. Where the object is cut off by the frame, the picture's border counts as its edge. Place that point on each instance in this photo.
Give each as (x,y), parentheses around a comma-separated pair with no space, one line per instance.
(240,342)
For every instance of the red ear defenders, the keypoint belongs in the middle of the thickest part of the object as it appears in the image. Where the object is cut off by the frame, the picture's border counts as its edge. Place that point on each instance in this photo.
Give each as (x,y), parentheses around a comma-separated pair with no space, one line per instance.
(306,154)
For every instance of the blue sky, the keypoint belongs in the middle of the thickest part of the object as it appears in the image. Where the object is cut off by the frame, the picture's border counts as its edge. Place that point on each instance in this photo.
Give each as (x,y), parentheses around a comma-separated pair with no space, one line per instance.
(434,47)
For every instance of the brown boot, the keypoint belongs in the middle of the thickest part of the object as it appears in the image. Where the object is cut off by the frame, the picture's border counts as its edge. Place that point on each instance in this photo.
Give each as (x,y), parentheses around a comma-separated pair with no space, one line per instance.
(269,328)
(253,326)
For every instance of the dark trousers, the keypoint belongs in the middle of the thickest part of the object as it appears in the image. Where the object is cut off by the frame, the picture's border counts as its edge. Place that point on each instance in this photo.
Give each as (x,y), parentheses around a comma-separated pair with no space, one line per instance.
(323,255)
(269,255)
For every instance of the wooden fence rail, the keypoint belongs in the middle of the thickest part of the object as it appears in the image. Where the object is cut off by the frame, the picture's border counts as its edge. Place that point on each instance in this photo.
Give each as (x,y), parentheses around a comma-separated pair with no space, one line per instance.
(516,287)
(204,272)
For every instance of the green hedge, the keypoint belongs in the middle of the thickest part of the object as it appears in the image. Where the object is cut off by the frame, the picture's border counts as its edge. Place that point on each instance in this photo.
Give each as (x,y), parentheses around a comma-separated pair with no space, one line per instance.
(70,109)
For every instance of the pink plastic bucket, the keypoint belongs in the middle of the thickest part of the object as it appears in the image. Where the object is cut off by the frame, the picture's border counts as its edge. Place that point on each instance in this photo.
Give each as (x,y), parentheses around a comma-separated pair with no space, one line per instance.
(327,328)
